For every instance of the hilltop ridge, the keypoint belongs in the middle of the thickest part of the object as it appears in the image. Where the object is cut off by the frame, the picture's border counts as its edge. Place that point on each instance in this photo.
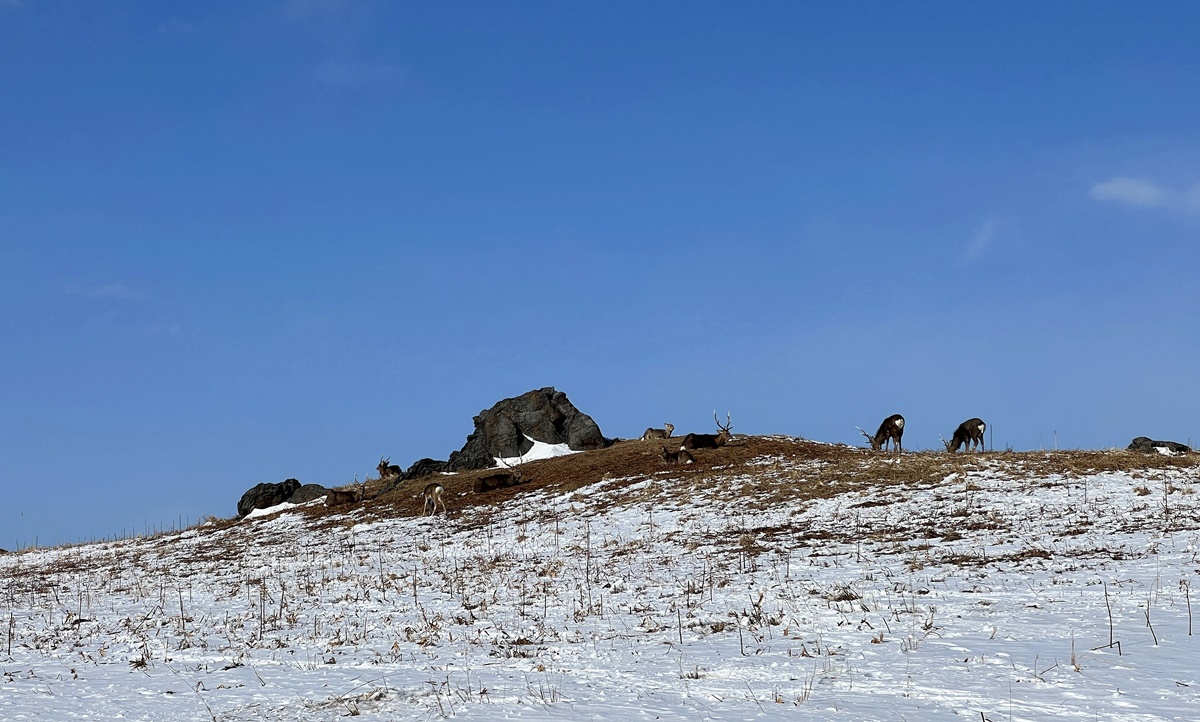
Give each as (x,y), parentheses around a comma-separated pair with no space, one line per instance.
(774,571)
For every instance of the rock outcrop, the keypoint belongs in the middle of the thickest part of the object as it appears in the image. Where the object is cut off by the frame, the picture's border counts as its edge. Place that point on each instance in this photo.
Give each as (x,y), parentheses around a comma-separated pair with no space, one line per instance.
(308,492)
(424,467)
(266,495)
(1148,445)
(504,430)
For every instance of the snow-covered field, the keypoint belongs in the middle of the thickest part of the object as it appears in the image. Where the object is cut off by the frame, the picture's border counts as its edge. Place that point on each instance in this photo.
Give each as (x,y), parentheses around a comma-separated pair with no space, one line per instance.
(989,595)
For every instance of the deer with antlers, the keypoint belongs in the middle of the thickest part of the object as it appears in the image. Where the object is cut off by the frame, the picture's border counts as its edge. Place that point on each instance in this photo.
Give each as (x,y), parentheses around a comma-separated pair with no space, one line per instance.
(664,433)
(890,430)
(969,432)
(710,441)
(387,469)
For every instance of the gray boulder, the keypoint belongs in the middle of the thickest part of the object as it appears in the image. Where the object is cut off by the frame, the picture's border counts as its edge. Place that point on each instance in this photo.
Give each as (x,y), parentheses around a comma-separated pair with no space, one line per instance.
(424,467)
(308,492)
(1148,445)
(266,495)
(546,415)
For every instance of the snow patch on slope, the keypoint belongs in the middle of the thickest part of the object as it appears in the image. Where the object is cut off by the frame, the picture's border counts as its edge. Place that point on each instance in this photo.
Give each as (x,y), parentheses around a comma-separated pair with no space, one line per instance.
(540,450)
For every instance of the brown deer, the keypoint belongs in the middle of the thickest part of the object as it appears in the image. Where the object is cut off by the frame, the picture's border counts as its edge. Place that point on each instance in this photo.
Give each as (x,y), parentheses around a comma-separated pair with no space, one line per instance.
(969,432)
(683,456)
(890,430)
(709,441)
(337,497)
(387,469)
(433,496)
(653,433)
(498,480)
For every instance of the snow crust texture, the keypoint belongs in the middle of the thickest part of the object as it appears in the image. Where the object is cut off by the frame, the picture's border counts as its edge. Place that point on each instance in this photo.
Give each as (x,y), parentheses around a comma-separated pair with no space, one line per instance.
(989,594)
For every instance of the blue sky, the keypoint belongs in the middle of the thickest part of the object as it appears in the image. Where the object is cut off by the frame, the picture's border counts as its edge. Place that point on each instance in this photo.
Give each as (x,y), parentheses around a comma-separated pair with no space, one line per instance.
(241,242)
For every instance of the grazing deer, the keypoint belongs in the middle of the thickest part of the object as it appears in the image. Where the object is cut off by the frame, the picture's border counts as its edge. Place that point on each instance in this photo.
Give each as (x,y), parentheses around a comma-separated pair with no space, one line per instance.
(969,432)
(891,429)
(709,441)
(386,469)
(659,433)
(683,456)
(433,497)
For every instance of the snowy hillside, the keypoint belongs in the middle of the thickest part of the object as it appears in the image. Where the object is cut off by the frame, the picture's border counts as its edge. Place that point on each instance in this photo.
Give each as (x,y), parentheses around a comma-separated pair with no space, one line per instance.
(776,579)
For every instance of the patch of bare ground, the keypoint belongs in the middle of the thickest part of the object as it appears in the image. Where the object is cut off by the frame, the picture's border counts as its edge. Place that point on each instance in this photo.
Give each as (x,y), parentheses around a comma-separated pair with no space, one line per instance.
(757,472)
(766,470)
(753,472)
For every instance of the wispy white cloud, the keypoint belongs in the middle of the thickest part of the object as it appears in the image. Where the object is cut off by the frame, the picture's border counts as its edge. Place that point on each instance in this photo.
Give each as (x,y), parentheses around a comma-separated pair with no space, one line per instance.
(338,74)
(981,239)
(108,290)
(1139,192)
(1147,193)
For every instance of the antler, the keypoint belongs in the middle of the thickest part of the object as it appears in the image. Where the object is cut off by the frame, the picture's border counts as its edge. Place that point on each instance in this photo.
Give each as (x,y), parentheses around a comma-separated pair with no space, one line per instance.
(864,433)
(727,425)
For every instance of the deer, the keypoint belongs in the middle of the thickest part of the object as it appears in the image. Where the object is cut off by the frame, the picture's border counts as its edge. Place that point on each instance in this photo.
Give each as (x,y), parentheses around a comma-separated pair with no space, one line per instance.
(497,480)
(683,456)
(387,469)
(653,433)
(709,441)
(891,429)
(337,497)
(969,432)
(433,496)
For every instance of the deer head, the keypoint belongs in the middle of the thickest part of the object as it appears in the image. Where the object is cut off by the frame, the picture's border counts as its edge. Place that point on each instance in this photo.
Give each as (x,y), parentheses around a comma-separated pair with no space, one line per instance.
(725,427)
(969,432)
(892,429)
(387,469)
(710,441)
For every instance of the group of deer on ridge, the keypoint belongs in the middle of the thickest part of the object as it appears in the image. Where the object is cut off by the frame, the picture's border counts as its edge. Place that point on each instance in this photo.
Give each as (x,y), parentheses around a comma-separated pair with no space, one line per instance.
(432,493)
(969,432)
(691,441)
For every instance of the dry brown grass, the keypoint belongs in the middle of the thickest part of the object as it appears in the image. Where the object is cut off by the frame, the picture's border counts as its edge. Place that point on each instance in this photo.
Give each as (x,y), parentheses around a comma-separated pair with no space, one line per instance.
(752,472)
(798,469)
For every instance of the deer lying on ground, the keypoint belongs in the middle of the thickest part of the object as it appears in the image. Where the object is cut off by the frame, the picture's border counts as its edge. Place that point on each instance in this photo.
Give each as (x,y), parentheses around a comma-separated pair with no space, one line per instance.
(337,497)
(659,433)
(683,456)
(891,429)
(709,441)
(433,496)
(497,480)
(386,469)
(969,432)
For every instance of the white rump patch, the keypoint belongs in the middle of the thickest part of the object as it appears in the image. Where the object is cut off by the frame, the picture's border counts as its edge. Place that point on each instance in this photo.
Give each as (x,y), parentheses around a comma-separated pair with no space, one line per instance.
(982,428)
(899,423)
